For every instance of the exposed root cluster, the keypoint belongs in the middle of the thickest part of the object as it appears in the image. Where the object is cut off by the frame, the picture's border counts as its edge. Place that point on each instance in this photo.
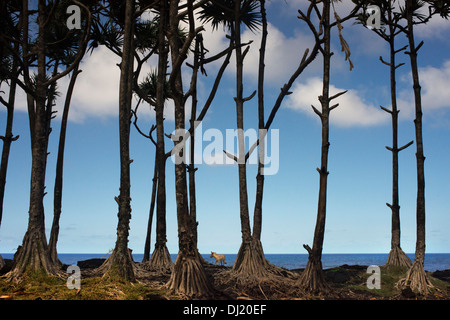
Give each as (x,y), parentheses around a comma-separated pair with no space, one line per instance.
(312,279)
(416,279)
(252,266)
(160,260)
(118,265)
(272,286)
(33,256)
(189,279)
(397,257)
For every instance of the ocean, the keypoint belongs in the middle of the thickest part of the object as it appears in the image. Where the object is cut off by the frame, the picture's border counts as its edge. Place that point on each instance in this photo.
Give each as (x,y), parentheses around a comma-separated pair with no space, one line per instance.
(433,261)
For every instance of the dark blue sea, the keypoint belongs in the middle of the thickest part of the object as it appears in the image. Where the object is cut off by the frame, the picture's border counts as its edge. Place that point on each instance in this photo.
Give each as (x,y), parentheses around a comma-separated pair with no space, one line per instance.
(433,261)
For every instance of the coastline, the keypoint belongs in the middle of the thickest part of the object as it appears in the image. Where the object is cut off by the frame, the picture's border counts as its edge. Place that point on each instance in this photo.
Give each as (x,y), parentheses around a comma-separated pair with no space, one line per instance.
(346,282)
(290,261)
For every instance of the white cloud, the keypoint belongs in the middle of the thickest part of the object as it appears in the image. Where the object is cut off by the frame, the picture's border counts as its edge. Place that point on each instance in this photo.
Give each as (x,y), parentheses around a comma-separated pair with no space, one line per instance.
(352,111)
(435,84)
(435,95)
(282,57)
(283,53)
(96,91)
(437,27)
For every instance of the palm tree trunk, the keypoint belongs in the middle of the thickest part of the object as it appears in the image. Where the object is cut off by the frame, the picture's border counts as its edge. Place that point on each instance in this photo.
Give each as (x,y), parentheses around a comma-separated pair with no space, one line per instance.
(160,259)
(8,138)
(250,259)
(57,199)
(26,71)
(243,197)
(33,255)
(312,278)
(188,276)
(416,277)
(257,215)
(191,167)
(120,262)
(396,256)
(148,238)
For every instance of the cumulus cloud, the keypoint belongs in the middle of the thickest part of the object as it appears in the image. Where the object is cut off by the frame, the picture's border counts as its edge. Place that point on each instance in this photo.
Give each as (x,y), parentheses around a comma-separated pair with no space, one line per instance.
(435,95)
(283,53)
(96,92)
(437,27)
(435,83)
(353,111)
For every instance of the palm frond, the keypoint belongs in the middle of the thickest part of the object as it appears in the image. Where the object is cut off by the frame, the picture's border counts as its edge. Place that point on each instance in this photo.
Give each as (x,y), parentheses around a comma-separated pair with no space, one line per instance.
(149,85)
(441,7)
(146,35)
(221,12)
(416,6)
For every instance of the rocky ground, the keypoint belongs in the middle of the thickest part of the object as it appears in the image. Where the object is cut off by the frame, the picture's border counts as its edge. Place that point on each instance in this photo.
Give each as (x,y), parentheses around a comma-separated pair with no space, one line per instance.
(346,282)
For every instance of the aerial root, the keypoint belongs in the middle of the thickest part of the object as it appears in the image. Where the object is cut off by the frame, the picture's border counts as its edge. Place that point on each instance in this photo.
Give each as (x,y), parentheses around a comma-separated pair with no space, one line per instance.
(189,279)
(160,260)
(416,279)
(397,257)
(312,279)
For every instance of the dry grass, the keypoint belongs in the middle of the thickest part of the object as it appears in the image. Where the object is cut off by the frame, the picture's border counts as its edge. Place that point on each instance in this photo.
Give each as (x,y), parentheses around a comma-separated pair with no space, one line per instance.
(346,282)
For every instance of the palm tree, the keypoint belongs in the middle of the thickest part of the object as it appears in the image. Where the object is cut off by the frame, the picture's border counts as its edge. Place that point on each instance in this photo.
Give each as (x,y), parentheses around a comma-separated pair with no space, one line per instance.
(250,262)
(231,14)
(33,255)
(396,256)
(389,32)
(57,198)
(416,277)
(155,90)
(263,125)
(188,276)
(63,50)
(134,37)
(121,262)
(312,278)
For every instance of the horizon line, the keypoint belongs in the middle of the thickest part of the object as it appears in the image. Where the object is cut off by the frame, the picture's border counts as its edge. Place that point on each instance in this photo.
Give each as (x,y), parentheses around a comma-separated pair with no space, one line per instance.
(101,253)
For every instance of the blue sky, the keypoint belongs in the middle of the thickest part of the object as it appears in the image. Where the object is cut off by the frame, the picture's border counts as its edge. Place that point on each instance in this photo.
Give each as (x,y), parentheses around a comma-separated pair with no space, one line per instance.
(360,167)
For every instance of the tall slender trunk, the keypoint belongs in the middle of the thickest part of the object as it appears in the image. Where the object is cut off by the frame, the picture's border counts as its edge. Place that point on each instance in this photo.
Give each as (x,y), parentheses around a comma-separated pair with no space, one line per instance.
(416,277)
(151,212)
(191,167)
(250,259)
(121,261)
(32,255)
(312,278)
(242,168)
(396,255)
(257,215)
(160,259)
(188,276)
(57,198)
(8,138)
(250,262)
(26,71)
